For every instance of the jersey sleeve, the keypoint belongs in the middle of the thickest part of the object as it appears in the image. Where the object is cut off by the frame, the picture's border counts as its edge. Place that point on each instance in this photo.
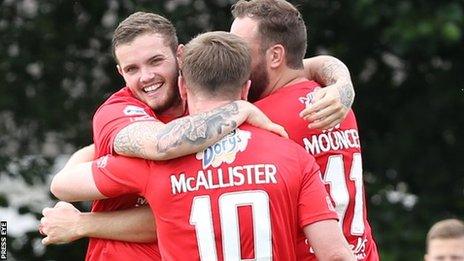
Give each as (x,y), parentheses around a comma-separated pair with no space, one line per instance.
(111,118)
(117,175)
(314,203)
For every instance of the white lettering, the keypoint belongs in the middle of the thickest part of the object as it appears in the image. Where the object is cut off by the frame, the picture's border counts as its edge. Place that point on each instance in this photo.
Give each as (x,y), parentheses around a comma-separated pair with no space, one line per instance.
(233,176)
(332,140)
(312,146)
(178,185)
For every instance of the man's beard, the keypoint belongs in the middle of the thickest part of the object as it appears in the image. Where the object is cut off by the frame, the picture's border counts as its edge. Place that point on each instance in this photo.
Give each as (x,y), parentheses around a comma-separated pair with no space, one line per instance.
(259,81)
(173,99)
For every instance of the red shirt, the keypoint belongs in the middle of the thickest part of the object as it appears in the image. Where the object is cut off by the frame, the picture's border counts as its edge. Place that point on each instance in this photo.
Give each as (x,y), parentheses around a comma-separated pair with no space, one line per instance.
(120,110)
(338,153)
(245,197)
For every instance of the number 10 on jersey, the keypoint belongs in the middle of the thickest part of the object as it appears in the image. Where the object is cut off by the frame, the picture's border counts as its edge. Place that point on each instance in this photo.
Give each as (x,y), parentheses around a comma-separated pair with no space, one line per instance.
(202,218)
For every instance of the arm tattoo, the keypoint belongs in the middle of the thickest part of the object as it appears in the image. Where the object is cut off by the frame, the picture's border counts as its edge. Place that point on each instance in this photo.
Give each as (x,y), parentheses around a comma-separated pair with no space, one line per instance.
(330,73)
(198,129)
(346,94)
(130,140)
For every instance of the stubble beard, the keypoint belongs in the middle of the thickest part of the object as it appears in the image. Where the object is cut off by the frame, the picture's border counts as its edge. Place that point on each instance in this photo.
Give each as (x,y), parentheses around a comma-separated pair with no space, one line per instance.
(259,81)
(172,99)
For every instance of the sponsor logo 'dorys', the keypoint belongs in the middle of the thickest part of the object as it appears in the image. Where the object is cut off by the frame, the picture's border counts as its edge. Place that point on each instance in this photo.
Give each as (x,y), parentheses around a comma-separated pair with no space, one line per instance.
(224,150)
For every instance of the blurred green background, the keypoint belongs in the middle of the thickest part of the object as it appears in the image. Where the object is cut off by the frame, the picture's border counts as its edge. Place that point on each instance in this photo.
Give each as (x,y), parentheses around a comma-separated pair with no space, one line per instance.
(406,60)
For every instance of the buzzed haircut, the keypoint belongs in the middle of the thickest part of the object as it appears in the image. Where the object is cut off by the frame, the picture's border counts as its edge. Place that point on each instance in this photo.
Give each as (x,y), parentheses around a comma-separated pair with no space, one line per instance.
(446,229)
(216,63)
(279,22)
(141,23)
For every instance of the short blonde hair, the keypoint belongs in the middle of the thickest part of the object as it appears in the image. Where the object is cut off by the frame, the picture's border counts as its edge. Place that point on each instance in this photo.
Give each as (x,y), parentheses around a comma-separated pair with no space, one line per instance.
(141,23)
(216,63)
(446,229)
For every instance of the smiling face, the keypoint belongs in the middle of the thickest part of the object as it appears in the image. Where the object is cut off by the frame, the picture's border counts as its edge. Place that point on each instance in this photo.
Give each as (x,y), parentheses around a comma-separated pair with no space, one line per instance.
(149,68)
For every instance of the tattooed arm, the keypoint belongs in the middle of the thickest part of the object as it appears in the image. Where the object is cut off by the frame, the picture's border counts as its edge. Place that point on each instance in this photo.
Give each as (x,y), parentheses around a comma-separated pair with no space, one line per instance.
(332,103)
(64,224)
(186,135)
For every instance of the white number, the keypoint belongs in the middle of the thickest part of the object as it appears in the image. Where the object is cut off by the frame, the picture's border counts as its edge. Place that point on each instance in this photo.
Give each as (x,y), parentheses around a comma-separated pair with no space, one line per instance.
(335,177)
(357,225)
(201,217)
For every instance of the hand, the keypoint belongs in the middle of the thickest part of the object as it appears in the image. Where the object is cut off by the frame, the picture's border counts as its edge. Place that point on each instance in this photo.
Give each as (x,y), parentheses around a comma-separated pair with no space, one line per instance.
(258,119)
(60,224)
(329,106)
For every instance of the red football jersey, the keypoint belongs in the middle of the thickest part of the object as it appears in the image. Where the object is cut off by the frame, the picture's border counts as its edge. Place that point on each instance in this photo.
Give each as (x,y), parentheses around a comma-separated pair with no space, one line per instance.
(338,153)
(118,111)
(245,197)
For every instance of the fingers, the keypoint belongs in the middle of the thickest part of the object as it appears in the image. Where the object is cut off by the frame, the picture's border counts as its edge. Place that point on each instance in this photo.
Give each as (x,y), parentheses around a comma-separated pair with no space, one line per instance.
(318,93)
(317,106)
(46,241)
(327,122)
(41,227)
(324,113)
(63,204)
(279,130)
(324,103)
(52,241)
(45,211)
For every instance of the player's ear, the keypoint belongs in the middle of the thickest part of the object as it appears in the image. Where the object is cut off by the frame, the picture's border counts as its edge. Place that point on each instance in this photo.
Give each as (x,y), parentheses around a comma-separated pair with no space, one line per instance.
(180,51)
(119,69)
(182,87)
(276,56)
(245,90)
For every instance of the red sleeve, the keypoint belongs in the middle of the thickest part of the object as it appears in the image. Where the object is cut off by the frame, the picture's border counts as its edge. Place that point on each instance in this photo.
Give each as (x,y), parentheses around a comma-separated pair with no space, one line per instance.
(117,175)
(314,203)
(110,118)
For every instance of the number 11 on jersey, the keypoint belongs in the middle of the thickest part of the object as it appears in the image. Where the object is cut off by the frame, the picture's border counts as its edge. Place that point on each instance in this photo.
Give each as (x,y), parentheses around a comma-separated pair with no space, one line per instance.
(335,177)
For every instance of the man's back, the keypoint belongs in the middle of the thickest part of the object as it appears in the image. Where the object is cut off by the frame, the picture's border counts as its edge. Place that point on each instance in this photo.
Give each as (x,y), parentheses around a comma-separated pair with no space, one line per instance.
(245,197)
(338,153)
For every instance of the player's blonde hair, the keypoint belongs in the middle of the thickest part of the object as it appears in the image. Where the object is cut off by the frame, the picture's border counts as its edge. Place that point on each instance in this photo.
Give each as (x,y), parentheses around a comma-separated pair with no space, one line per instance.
(216,63)
(446,229)
(141,23)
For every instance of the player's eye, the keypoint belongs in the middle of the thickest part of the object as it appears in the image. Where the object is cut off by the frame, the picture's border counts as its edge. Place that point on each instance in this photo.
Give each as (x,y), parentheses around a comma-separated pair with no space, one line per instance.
(130,69)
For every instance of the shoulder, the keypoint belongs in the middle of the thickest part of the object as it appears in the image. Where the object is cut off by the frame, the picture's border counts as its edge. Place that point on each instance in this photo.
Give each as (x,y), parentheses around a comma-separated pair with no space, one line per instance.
(123,96)
(122,103)
(292,94)
(272,142)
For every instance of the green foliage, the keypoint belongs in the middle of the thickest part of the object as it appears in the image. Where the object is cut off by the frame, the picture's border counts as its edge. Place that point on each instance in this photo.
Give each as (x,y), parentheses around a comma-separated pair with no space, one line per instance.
(405,58)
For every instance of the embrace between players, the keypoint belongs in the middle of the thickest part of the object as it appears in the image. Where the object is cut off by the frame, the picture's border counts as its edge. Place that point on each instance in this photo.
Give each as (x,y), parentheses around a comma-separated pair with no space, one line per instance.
(221,184)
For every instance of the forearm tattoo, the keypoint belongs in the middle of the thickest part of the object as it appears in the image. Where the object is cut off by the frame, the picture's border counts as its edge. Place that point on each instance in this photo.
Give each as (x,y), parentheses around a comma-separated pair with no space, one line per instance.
(329,75)
(346,92)
(130,140)
(199,129)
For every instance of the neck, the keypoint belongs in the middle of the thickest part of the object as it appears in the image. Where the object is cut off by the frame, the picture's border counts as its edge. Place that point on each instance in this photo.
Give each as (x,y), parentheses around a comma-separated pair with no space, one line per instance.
(175,111)
(202,104)
(282,77)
